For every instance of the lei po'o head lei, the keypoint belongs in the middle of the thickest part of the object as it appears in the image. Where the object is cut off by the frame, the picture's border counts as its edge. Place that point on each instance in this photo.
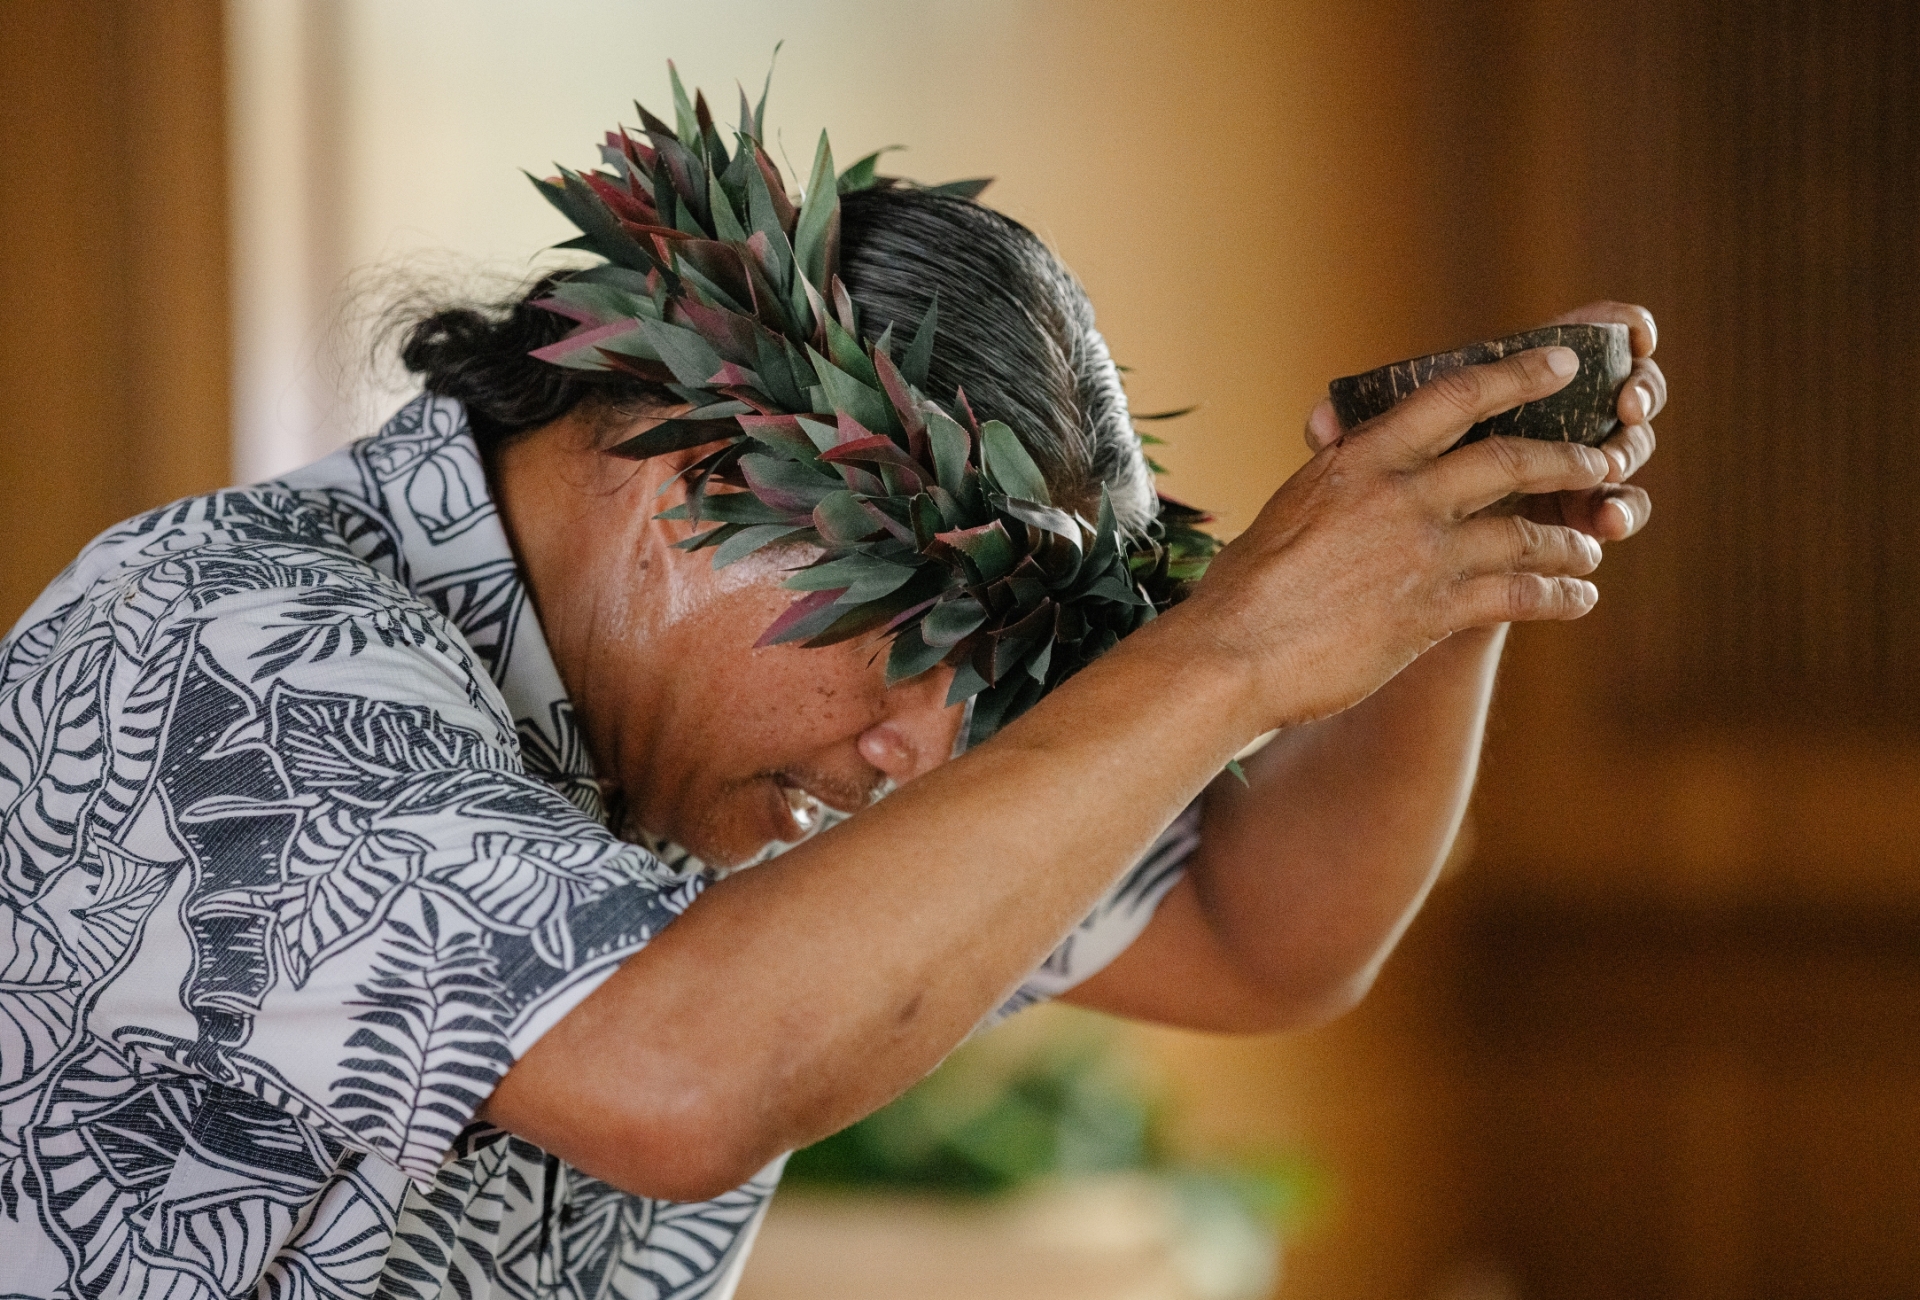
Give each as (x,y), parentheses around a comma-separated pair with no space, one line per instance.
(937,530)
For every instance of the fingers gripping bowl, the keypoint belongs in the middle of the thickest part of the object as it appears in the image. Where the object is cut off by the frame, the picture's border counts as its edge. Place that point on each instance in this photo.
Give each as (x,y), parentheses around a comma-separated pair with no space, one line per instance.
(1585,411)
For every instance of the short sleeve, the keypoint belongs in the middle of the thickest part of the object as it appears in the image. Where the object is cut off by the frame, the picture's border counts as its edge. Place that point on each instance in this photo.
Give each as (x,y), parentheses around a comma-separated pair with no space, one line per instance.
(1117,920)
(367,909)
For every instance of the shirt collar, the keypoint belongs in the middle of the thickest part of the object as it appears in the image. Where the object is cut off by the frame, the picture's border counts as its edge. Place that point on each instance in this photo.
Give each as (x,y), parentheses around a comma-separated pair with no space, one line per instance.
(436,531)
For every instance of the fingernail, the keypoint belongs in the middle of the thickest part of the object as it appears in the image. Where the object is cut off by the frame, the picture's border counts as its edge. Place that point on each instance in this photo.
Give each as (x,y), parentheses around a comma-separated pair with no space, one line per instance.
(1646,403)
(1562,361)
(1617,459)
(1626,512)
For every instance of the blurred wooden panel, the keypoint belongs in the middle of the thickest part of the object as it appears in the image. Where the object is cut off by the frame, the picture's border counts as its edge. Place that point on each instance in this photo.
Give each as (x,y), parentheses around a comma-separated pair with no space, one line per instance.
(1743,709)
(1686,1105)
(1678,981)
(1689,976)
(113,284)
(1749,171)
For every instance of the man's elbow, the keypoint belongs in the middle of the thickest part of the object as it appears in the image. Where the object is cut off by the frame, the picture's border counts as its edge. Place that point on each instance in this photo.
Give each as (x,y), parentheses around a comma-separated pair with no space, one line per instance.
(1330,999)
(686,1144)
(1302,1000)
(694,1151)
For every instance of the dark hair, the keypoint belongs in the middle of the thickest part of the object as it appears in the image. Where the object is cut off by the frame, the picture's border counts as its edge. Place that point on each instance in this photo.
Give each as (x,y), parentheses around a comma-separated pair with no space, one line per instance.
(480,356)
(1016,334)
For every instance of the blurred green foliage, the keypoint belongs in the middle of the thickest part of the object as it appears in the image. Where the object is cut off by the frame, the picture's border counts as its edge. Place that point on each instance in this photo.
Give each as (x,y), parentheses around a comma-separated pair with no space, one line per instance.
(1050,1095)
(976,1126)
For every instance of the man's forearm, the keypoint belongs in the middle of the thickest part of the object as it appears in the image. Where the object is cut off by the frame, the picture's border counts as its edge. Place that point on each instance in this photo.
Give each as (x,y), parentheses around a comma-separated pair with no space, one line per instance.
(1309,875)
(792,999)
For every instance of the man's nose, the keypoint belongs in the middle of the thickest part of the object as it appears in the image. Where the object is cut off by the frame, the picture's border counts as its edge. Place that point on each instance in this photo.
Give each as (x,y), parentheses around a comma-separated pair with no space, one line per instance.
(919,730)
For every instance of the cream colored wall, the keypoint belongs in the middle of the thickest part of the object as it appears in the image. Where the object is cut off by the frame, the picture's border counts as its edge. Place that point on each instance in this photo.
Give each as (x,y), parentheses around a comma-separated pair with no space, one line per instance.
(1194,163)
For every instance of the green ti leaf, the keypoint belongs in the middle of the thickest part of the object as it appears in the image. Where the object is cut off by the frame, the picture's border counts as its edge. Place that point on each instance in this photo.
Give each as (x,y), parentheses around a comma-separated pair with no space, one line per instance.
(1009,466)
(686,124)
(842,519)
(726,222)
(950,449)
(860,175)
(969,189)
(690,357)
(845,393)
(760,109)
(600,228)
(920,352)
(950,620)
(819,212)
(750,539)
(911,655)
(864,577)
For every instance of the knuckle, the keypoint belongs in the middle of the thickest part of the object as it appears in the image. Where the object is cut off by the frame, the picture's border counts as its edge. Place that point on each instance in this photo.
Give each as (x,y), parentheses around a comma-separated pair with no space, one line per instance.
(1508,456)
(1525,595)
(1458,389)
(1577,462)
(1523,542)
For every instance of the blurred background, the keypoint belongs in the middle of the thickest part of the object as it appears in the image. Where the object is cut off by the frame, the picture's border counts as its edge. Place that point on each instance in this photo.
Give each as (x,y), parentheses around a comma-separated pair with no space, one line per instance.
(1658,1032)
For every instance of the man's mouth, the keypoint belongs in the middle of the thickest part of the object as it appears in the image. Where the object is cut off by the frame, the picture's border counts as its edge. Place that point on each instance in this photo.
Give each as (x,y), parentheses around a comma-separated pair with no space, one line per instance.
(804,808)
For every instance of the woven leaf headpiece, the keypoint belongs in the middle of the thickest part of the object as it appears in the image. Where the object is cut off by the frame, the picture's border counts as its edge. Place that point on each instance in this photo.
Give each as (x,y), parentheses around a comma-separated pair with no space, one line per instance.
(937,530)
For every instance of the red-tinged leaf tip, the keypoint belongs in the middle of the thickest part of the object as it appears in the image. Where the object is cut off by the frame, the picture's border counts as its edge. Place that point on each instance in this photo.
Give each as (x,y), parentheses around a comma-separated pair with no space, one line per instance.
(568,310)
(876,450)
(966,409)
(735,375)
(796,613)
(851,430)
(862,448)
(784,427)
(580,340)
(908,614)
(777,496)
(900,397)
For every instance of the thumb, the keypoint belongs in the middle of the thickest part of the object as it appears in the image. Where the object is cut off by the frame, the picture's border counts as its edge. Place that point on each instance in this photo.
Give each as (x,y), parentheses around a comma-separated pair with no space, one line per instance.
(1323,426)
(1431,418)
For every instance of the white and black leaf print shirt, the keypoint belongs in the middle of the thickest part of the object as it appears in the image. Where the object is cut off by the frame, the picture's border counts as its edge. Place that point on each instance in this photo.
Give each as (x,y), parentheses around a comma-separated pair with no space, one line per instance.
(300,850)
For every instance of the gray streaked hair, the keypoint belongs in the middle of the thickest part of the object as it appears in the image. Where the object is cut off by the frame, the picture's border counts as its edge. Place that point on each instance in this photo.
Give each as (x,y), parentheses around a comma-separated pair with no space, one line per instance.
(1016,334)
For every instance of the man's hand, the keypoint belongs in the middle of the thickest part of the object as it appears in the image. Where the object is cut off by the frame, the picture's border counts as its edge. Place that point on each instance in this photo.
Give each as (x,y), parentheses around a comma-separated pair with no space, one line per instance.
(1306,876)
(1377,549)
(1615,510)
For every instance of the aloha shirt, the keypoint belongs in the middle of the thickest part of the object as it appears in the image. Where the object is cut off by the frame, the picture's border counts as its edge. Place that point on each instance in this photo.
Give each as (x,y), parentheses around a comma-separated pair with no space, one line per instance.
(300,850)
